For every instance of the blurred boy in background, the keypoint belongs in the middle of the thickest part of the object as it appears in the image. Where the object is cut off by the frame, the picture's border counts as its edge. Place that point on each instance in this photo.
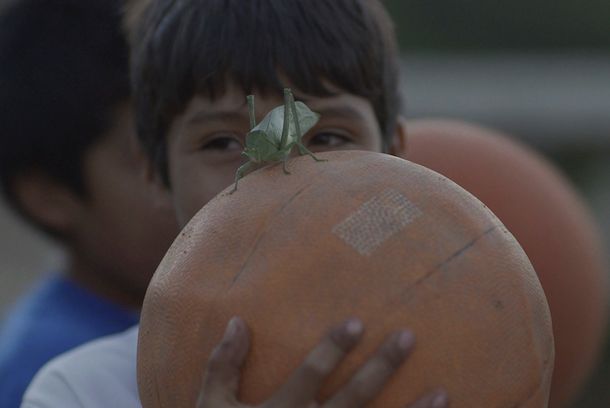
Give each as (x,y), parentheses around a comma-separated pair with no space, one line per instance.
(70,167)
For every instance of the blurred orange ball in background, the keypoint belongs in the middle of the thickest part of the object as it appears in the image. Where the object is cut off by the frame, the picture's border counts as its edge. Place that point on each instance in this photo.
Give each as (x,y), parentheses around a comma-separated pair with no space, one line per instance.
(550,221)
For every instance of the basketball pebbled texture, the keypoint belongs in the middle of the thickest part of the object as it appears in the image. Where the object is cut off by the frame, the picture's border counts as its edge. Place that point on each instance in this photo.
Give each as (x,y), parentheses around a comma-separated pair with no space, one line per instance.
(362,234)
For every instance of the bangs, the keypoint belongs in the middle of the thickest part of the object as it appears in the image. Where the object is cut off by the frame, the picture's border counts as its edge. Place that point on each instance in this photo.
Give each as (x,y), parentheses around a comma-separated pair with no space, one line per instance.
(198,47)
(251,42)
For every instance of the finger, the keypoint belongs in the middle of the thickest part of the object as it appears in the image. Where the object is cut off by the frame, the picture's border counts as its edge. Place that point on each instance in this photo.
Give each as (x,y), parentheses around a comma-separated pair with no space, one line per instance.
(437,399)
(374,374)
(221,377)
(302,387)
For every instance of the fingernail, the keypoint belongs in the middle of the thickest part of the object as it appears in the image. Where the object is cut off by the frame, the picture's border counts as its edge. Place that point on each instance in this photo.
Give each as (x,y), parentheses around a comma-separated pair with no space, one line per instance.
(354,327)
(231,330)
(439,401)
(405,340)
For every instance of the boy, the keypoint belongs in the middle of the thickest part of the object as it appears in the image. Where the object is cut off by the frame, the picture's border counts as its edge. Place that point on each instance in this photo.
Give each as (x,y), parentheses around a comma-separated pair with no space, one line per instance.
(194,62)
(69,167)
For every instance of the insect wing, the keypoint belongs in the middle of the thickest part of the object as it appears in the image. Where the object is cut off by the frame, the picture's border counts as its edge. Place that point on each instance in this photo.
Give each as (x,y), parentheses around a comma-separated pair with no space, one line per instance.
(307,118)
(272,125)
(260,146)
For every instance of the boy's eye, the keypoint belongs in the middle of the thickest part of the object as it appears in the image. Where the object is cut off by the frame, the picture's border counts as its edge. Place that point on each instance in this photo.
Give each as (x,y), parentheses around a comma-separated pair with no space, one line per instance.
(329,139)
(225,142)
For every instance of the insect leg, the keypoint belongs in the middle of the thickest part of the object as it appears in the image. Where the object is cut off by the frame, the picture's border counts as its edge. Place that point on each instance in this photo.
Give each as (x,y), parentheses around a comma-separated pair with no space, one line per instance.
(244,168)
(284,165)
(286,125)
(303,150)
(295,118)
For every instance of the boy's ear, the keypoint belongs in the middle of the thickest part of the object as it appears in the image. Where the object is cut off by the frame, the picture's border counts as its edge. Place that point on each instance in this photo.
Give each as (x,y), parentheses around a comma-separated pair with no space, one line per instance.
(399,145)
(47,201)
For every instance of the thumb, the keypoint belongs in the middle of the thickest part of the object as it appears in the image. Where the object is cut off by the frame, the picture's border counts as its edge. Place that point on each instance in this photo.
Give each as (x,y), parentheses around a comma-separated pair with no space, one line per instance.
(220,382)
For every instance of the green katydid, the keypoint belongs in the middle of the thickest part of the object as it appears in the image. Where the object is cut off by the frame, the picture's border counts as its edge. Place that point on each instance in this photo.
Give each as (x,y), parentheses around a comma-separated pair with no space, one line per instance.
(272,140)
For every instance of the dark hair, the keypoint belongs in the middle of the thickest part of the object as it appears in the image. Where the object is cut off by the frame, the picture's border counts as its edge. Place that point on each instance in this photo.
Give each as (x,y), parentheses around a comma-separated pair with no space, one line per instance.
(181,48)
(63,71)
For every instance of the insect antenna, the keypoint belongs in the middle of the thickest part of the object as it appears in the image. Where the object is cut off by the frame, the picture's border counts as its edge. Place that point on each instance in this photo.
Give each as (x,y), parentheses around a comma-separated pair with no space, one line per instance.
(250,99)
(286,125)
(297,126)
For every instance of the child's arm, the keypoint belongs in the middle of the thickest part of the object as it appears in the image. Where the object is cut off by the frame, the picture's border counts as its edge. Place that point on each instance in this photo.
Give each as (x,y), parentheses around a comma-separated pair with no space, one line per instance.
(221,378)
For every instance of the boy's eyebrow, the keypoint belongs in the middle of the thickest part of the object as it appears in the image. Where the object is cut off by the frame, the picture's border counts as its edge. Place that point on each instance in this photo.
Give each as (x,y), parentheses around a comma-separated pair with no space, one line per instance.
(340,111)
(226,116)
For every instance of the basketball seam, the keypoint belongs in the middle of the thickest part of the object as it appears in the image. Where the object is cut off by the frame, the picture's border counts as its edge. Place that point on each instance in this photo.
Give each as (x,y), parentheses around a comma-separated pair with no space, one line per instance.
(448,260)
(262,232)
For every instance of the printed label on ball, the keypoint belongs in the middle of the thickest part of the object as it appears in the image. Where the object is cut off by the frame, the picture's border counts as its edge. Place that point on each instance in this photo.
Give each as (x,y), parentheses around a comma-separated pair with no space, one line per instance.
(376,221)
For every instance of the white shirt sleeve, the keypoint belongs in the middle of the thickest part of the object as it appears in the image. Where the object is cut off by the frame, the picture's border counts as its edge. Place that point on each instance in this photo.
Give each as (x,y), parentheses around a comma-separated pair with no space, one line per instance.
(99,374)
(50,389)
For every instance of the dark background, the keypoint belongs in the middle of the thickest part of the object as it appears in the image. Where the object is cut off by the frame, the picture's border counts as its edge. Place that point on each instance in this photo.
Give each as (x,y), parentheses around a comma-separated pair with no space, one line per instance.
(492,25)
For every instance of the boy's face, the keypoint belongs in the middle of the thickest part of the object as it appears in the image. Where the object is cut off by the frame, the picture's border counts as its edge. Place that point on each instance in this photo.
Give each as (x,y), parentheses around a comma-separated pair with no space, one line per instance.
(206,141)
(118,228)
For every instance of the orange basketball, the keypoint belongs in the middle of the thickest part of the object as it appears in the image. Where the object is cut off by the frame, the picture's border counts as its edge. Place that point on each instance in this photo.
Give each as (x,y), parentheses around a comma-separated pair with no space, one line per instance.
(549,220)
(362,234)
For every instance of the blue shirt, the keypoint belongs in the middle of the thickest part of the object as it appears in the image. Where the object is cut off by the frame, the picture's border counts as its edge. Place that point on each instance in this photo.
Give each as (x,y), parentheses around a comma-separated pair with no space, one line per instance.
(56,316)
